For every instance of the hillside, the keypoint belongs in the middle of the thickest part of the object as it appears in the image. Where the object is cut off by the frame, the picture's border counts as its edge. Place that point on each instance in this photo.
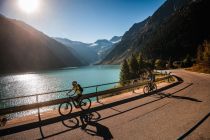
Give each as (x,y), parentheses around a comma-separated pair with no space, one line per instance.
(173,31)
(23,48)
(90,53)
(104,46)
(81,50)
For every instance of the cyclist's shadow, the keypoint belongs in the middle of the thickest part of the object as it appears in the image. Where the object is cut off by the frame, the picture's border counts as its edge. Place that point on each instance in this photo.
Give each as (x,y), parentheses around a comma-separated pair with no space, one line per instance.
(90,120)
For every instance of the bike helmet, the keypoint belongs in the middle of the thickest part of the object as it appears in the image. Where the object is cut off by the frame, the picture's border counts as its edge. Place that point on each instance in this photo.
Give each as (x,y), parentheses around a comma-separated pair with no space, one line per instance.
(74,82)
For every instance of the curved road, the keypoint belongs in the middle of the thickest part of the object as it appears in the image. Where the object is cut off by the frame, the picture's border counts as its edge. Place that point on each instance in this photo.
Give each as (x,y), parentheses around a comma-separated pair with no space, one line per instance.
(182,111)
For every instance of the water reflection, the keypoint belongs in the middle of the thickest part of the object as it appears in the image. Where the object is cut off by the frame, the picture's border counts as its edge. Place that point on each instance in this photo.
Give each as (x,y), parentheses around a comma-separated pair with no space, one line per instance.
(35,83)
(27,84)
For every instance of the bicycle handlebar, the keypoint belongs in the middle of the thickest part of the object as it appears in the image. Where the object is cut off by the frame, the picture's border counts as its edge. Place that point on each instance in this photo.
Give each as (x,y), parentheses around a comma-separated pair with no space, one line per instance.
(70,94)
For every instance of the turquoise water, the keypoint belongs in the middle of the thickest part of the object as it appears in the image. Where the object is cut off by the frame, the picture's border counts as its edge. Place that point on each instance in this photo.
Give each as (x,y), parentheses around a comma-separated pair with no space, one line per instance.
(47,81)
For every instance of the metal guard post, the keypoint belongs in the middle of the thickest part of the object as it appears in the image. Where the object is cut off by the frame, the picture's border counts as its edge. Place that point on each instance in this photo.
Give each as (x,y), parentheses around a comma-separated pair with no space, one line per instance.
(97,99)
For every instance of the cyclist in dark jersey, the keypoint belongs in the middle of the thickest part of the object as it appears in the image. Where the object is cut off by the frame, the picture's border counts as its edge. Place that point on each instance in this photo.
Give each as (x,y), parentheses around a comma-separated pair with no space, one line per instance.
(151,77)
(77,90)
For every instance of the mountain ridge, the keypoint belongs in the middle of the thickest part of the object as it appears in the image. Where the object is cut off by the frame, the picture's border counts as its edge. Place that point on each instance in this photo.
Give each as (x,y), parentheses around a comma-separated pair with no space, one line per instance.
(90,53)
(140,37)
(80,49)
(23,48)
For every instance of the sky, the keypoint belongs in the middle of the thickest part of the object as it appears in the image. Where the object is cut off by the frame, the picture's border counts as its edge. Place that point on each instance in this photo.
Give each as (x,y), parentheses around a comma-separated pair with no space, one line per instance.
(83,20)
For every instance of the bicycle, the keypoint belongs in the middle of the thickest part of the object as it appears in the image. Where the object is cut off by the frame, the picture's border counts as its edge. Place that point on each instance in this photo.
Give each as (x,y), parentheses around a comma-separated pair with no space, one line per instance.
(151,86)
(170,78)
(66,108)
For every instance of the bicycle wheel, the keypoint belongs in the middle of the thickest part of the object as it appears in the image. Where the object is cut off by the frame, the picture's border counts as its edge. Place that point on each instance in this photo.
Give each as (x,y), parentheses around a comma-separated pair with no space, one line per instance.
(85,103)
(65,109)
(170,79)
(71,123)
(95,116)
(146,89)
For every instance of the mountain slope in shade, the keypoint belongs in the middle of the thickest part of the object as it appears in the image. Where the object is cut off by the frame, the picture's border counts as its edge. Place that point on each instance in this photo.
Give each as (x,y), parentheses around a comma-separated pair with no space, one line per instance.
(172,31)
(23,48)
(81,50)
(181,34)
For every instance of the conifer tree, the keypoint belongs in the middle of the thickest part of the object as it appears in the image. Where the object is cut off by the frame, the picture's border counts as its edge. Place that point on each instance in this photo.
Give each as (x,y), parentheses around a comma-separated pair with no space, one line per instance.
(187,62)
(206,53)
(134,67)
(169,64)
(141,65)
(159,64)
(199,54)
(124,73)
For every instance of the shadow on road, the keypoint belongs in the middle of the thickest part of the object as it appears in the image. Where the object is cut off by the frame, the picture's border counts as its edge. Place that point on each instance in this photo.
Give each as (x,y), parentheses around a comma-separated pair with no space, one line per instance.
(194,127)
(71,121)
(168,95)
(96,129)
(163,95)
(89,124)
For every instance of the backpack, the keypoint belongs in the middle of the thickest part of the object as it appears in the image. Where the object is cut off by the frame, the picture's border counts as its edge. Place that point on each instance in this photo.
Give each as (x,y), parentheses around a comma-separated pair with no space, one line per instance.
(80,88)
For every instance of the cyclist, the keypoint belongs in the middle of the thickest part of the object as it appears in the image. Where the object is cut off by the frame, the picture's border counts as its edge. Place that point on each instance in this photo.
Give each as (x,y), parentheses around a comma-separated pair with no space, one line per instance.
(151,78)
(78,90)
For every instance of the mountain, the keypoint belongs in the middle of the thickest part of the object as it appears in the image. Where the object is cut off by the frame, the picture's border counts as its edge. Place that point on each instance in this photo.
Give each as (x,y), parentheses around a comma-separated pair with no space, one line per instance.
(90,53)
(81,50)
(1,15)
(173,31)
(115,39)
(24,48)
(102,46)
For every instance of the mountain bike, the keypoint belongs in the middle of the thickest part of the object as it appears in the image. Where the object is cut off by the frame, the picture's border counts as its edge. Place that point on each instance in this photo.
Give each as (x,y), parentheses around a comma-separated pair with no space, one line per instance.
(170,78)
(82,103)
(151,86)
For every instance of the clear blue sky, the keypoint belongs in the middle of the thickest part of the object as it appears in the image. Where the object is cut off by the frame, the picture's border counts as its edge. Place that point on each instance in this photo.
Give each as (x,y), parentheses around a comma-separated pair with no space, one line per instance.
(83,20)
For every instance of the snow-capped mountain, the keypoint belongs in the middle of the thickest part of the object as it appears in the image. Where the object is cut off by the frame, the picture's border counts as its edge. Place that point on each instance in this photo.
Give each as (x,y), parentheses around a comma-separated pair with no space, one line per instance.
(90,52)
(115,39)
(81,50)
(103,45)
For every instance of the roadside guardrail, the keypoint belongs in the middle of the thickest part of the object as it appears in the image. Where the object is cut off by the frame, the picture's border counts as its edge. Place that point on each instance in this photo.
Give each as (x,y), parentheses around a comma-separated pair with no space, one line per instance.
(95,94)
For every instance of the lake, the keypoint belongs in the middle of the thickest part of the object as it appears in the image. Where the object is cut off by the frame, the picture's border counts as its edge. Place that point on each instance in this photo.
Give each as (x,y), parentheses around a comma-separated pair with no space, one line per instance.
(47,81)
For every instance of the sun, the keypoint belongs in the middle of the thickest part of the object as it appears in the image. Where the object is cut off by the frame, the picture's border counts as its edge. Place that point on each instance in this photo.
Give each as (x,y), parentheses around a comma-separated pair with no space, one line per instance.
(28,6)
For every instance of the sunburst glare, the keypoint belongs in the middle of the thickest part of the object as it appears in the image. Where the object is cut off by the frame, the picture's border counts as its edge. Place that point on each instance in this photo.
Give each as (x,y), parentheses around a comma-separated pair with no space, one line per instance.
(29,6)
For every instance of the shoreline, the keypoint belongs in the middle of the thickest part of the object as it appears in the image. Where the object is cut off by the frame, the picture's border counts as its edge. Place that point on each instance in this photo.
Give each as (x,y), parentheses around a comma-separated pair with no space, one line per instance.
(55,113)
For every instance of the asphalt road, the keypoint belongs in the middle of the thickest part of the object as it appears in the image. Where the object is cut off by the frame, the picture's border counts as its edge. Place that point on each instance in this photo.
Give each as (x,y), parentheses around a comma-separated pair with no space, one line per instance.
(179,112)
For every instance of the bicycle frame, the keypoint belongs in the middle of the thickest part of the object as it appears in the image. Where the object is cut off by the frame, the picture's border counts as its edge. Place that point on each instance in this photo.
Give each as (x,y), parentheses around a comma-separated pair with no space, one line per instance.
(71,99)
(151,86)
